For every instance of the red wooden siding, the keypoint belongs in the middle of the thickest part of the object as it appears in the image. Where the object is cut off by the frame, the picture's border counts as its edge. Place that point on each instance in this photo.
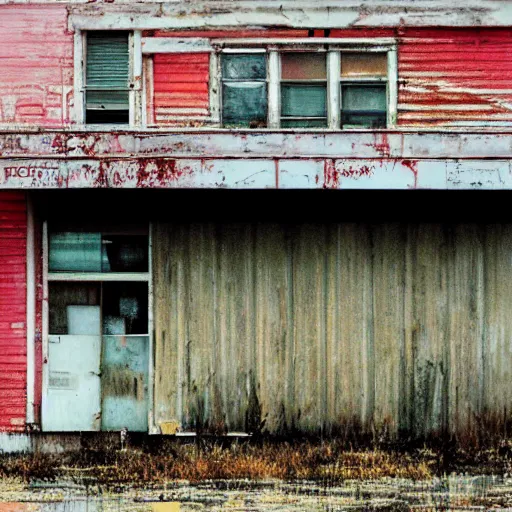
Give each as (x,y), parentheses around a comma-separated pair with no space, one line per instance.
(450,77)
(36,65)
(180,86)
(13,233)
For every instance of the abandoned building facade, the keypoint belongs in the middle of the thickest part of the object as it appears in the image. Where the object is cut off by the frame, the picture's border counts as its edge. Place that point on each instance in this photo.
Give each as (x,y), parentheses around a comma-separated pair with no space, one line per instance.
(219,216)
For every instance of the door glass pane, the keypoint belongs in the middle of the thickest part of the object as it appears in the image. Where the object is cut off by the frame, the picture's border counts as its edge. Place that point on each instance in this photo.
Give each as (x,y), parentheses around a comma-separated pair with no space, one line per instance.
(303,100)
(124,383)
(73,308)
(364,64)
(125,308)
(364,98)
(244,104)
(303,66)
(244,66)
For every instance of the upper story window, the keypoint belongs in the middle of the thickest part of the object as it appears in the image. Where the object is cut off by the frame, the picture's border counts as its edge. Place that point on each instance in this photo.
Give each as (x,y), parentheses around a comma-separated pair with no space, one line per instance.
(303,90)
(364,97)
(310,88)
(107,78)
(244,90)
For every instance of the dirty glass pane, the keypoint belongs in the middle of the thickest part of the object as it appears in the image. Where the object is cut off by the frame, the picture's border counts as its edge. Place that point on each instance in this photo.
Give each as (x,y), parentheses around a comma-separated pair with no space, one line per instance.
(124,253)
(303,66)
(65,299)
(244,104)
(364,106)
(364,64)
(247,66)
(364,98)
(365,120)
(79,252)
(124,383)
(303,100)
(303,123)
(125,308)
(107,100)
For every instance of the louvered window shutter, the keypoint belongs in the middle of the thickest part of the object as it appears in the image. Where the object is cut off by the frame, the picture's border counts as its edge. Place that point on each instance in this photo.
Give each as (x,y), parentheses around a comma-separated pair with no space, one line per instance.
(107,77)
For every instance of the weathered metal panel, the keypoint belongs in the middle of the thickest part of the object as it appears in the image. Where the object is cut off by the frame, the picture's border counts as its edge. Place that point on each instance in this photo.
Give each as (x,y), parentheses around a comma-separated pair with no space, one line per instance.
(455,77)
(13,235)
(330,327)
(253,144)
(239,173)
(180,86)
(290,13)
(71,395)
(36,55)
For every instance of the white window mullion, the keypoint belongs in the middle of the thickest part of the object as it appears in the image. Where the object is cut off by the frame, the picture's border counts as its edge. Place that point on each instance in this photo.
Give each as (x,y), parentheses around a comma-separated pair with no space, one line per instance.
(136,78)
(79,76)
(215,88)
(333,90)
(392,88)
(274,100)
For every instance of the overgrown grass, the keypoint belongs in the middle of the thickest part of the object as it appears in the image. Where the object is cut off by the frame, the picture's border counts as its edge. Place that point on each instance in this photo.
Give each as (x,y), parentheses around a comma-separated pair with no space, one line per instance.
(330,462)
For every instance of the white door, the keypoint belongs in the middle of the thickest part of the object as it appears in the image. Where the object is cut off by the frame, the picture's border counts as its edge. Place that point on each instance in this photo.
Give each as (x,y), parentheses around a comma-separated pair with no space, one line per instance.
(71,400)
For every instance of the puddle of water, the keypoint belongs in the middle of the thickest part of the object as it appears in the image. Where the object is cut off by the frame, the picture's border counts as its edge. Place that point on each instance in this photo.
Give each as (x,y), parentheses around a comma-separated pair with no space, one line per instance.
(477,493)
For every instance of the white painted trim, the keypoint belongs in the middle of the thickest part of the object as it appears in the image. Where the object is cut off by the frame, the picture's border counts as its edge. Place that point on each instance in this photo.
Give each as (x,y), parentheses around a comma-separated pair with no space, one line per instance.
(45,323)
(241,50)
(214,85)
(144,98)
(366,47)
(392,88)
(136,78)
(31,311)
(98,276)
(150,96)
(346,42)
(78,113)
(152,428)
(333,90)
(175,45)
(274,86)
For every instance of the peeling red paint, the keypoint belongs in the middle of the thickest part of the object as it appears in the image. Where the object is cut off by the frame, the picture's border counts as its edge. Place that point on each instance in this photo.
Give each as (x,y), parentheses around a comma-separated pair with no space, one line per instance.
(454,76)
(331,175)
(381,144)
(357,172)
(180,86)
(412,165)
(36,52)
(13,229)
(60,143)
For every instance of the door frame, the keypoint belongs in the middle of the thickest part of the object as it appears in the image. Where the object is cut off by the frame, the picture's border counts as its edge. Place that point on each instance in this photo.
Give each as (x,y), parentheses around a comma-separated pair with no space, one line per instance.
(48,277)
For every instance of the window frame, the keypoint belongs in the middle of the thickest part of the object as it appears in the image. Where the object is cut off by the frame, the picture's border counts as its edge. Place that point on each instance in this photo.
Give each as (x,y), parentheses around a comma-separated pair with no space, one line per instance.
(135,82)
(221,80)
(288,81)
(334,50)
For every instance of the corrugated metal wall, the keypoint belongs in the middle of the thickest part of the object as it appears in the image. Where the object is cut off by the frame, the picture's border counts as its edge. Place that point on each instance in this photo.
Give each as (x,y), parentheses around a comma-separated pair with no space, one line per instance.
(13,371)
(180,86)
(450,76)
(36,56)
(328,327)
